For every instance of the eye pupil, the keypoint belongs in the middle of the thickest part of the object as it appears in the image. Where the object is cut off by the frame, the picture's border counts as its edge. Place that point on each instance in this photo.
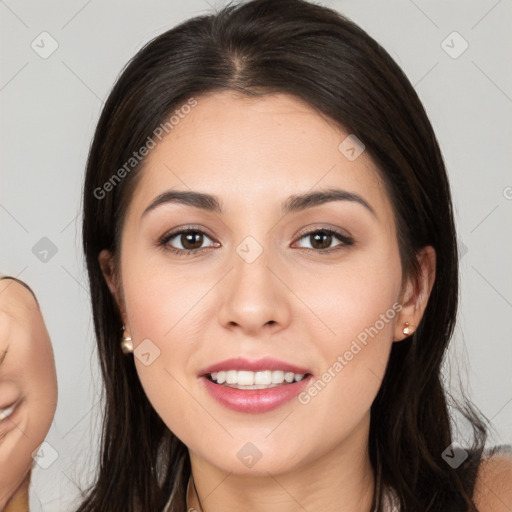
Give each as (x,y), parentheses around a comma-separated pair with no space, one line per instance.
(195,240)
(319,236)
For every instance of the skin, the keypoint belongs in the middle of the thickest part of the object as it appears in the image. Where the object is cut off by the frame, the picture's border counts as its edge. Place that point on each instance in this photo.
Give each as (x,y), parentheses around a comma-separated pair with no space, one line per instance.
(493,488)
(27,377)
(203,308)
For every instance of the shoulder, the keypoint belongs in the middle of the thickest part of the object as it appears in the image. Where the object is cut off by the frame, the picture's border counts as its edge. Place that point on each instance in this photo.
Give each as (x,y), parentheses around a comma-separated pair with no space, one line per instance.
(493,485)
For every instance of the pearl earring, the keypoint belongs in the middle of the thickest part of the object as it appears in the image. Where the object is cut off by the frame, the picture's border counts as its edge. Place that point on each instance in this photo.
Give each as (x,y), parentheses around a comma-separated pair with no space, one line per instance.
(407,330)
(126,344)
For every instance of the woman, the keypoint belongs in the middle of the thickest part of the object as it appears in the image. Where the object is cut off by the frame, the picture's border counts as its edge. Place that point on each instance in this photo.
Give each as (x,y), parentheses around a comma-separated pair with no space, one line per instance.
(273,268)
(28,390)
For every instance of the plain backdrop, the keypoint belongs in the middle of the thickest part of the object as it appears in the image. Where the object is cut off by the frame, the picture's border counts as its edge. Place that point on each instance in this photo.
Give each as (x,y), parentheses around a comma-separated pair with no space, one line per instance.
(456,54)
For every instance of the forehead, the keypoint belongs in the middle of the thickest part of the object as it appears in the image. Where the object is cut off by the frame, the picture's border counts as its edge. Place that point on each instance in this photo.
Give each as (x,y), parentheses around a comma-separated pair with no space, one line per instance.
(246,150)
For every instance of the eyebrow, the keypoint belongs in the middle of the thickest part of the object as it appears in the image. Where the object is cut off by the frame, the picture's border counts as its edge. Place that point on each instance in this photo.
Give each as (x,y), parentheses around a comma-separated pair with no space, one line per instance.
(294,203)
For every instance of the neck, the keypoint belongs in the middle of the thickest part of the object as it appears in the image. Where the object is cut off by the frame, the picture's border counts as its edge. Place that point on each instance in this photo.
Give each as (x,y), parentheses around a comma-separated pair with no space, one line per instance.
(341,480)
(19,502)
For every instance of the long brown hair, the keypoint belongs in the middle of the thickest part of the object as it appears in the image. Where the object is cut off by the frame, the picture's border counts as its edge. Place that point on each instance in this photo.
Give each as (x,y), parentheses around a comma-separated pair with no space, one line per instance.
(317,55)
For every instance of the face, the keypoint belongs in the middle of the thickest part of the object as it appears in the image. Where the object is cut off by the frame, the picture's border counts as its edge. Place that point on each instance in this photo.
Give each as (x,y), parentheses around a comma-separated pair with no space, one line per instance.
(290,286)
(28,385)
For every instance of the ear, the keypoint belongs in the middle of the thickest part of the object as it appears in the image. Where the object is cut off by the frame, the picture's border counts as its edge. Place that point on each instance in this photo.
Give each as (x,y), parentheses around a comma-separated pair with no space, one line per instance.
(416,293)
(106,262)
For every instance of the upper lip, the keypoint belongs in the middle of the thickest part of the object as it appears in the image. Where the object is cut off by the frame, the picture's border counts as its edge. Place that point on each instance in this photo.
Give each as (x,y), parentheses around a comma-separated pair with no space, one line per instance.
(254,365)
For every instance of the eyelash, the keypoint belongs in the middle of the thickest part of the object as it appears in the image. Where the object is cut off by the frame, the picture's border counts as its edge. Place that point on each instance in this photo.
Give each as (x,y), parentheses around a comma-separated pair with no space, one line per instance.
(164,241)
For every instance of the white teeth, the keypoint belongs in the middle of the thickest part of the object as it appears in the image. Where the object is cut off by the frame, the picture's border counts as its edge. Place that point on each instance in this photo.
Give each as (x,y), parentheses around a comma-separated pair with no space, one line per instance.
(277,377)
(255,380)
(263,378)
(245,378)
(231,377)
(5,413)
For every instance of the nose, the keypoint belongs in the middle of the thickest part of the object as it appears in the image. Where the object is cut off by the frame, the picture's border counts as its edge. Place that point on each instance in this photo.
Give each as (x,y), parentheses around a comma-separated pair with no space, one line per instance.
(254,299)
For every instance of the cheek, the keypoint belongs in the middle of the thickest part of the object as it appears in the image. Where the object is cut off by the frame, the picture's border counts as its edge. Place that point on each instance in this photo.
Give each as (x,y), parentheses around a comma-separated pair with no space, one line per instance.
(159,296)
(358,305)
(356,296)
(40,391)
(166,316)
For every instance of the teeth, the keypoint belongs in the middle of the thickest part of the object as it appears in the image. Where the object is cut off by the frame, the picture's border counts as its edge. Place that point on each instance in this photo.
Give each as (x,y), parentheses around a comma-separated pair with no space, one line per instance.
(5,413)
(231,377)
(255,380)
(277,377)
(263,378)
(244,378)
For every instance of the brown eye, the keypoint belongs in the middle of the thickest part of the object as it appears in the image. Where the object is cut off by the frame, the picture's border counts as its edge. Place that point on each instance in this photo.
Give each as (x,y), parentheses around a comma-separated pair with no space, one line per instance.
(186,241)
(192,240)
(322,240)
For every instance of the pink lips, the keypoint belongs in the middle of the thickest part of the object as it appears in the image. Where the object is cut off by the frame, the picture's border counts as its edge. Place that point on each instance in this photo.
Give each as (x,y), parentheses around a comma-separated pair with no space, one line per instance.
(254,400)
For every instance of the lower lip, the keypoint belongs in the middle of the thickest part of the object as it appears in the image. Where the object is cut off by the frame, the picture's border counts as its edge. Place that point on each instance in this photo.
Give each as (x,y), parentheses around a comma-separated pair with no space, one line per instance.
(255,400)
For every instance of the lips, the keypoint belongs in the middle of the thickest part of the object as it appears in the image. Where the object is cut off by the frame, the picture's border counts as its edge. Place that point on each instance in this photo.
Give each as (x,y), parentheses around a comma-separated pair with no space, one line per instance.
(254,400)
(240,363)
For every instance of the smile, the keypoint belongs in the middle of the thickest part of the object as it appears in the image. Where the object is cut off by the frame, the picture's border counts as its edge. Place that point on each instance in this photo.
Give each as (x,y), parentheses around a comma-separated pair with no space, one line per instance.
(245,379)
(255,398)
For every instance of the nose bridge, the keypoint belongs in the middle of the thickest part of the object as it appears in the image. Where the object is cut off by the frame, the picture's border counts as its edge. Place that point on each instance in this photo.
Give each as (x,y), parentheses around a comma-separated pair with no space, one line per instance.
(253,297)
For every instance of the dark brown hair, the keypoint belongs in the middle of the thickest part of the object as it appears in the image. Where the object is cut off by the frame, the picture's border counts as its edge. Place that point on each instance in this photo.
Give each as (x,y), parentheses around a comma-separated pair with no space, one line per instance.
(317,55)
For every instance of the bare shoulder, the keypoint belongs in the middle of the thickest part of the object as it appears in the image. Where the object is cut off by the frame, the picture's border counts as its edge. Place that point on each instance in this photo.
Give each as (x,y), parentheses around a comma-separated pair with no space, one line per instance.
(493,486)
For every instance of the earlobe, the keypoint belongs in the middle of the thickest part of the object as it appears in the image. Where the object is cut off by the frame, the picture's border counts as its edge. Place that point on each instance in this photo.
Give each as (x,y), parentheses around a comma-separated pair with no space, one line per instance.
(416,294)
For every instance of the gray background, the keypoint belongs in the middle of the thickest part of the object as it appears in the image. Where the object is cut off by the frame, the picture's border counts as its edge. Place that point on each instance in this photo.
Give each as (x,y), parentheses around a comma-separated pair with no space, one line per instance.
(49,108)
